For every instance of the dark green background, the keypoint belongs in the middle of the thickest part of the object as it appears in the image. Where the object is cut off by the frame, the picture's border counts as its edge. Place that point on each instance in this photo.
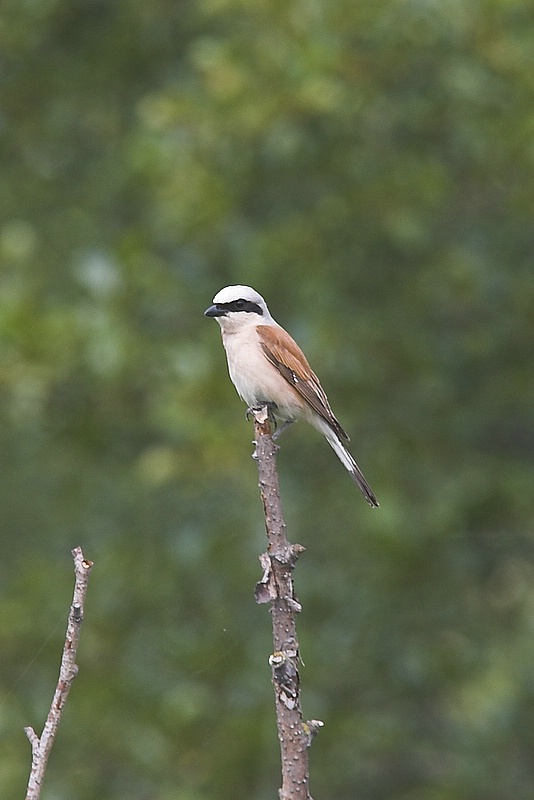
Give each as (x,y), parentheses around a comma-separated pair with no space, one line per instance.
(369,168)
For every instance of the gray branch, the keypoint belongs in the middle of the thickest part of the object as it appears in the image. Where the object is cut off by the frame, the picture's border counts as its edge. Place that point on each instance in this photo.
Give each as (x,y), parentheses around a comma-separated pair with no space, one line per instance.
(41,746)
(276,588)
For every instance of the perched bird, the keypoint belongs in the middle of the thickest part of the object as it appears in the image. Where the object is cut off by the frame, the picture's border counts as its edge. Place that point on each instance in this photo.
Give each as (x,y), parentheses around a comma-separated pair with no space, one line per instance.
(267,367)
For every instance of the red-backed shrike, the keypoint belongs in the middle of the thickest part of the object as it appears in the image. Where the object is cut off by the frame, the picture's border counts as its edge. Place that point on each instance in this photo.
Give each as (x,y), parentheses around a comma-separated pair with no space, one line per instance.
(267,367)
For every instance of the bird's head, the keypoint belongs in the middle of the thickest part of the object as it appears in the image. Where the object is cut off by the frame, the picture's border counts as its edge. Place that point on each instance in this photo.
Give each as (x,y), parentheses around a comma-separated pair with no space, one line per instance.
(238,306)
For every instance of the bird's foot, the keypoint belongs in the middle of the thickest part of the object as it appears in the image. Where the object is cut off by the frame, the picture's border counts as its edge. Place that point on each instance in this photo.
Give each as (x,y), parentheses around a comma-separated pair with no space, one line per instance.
(287,423)
(255,409)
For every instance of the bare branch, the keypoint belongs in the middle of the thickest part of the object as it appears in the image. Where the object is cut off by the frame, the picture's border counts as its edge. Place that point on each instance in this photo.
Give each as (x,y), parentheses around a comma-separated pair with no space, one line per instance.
(276,588)
(41,746)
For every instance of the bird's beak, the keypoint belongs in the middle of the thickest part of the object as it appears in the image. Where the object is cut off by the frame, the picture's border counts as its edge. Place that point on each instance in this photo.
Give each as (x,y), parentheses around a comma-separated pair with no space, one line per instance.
(215,311)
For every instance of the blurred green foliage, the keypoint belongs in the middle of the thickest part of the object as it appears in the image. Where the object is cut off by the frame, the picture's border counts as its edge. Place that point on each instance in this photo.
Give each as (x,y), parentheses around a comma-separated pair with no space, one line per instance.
(369,168)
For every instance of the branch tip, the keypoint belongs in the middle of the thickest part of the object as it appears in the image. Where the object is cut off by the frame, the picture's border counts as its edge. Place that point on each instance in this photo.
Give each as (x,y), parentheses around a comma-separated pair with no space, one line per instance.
(311,728)
(32,736)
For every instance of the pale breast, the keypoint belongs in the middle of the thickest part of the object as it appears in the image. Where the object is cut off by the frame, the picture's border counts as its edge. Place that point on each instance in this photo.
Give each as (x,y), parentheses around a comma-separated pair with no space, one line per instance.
(255,379)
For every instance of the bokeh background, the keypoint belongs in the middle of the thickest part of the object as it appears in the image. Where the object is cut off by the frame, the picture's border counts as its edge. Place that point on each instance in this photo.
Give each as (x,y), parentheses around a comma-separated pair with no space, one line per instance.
(369,167)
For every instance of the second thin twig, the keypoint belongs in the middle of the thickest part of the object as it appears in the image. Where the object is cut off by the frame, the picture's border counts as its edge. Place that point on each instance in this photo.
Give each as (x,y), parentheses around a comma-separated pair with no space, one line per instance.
(41,746)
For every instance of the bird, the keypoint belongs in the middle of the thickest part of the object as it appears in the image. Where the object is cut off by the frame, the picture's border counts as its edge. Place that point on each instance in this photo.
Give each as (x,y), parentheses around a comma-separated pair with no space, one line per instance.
(268,368)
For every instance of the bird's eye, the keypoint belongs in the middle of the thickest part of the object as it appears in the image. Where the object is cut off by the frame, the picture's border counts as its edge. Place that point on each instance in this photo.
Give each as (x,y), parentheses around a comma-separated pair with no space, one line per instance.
(240,304)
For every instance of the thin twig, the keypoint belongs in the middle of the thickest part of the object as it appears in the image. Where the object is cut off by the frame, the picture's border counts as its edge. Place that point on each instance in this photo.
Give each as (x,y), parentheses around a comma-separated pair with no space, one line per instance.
(276,588)
(41,746)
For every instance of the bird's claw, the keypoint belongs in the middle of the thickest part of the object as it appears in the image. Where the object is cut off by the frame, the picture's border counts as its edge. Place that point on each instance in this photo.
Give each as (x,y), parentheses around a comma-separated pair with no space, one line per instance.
(253,410)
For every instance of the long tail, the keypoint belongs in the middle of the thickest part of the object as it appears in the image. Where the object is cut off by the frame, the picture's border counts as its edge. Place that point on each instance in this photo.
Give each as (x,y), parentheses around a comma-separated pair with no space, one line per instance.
(349,463)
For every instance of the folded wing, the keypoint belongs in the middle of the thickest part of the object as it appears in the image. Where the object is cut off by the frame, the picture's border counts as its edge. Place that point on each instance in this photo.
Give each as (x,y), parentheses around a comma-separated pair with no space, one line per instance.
(287,357)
